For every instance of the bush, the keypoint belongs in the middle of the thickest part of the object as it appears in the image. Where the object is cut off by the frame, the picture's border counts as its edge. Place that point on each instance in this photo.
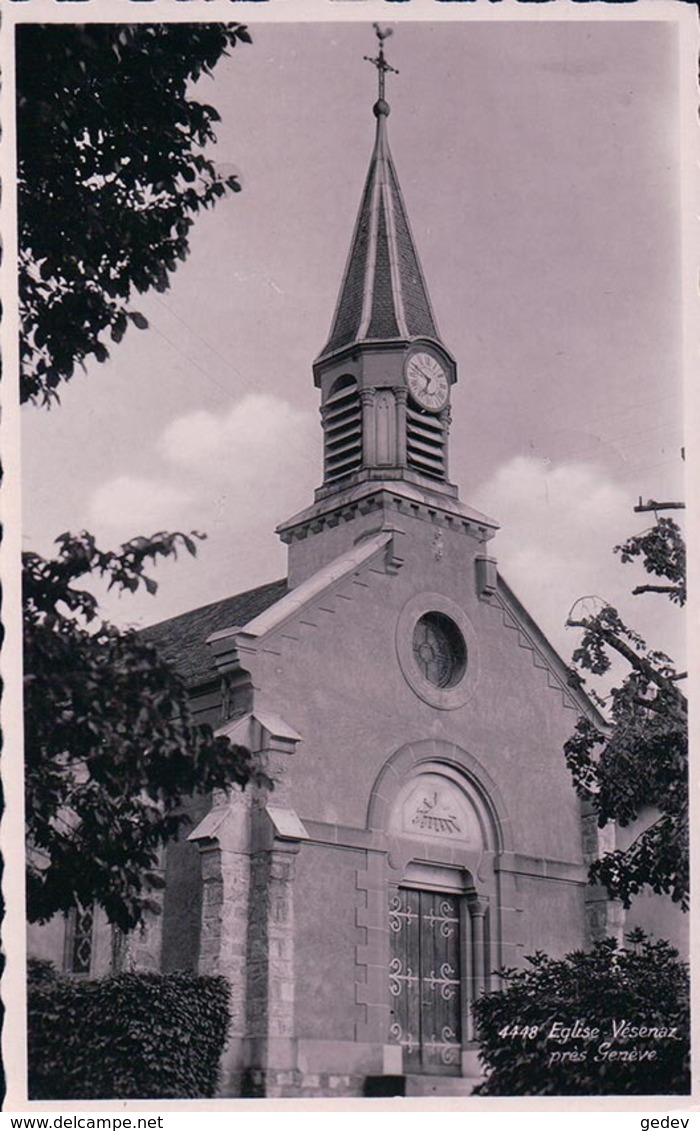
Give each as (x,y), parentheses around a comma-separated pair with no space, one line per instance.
(39,971)
(133,1036)
(612,1021)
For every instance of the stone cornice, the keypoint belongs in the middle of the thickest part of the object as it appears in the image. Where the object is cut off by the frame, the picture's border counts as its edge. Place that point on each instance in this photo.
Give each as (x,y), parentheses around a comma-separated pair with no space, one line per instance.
(398,498)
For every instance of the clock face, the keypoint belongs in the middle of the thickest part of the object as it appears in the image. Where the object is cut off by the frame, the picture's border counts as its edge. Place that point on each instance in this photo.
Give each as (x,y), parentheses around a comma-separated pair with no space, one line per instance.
(427,381)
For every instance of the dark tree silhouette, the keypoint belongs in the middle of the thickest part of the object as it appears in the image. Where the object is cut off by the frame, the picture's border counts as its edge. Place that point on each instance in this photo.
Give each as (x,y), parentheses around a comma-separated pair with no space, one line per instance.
(111,749)
(641,763)
(112,171)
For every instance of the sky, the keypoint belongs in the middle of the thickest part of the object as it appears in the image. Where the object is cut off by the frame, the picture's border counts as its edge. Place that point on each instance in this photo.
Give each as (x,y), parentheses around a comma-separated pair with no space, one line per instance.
(539,162)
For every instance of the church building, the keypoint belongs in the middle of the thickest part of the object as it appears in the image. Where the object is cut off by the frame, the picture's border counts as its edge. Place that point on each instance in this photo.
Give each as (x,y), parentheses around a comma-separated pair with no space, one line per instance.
(423,829)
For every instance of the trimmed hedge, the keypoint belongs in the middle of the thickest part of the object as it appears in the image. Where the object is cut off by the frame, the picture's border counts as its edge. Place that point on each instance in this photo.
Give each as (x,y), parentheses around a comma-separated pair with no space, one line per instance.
(610,1021)
(132,1036)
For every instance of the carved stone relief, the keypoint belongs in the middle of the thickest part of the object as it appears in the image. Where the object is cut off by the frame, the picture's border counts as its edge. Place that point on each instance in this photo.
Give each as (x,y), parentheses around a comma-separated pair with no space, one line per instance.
(433,806)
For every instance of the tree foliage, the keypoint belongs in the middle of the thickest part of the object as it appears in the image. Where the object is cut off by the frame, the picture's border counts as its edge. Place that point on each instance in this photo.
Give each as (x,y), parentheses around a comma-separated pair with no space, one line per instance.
(111,748)
(639,764)
(611,1021)
(112,171)
(662,551)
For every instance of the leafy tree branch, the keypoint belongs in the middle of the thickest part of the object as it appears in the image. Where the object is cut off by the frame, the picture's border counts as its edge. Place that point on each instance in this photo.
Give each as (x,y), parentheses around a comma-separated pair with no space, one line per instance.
(112,751)
(113,169)
(640,764)
(112,172)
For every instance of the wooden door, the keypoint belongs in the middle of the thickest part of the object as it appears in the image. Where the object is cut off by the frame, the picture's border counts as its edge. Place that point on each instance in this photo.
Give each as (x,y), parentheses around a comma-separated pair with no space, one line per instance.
(425,980)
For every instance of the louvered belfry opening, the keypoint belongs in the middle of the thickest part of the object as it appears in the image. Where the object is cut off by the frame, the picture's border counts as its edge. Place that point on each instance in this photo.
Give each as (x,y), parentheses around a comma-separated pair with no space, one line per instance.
(342,428)
(425,443)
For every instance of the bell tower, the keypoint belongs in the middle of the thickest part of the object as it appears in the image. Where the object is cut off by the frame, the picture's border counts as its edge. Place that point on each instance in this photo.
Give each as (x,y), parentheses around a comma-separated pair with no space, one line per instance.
(384,374)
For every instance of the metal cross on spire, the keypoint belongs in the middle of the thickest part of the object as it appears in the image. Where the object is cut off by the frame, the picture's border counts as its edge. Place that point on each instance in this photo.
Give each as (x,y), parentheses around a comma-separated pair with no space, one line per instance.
(380,62)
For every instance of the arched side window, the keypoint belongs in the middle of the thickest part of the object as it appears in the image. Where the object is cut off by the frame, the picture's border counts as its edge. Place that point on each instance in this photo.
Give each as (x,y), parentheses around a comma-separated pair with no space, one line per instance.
(80,930)
(342,430)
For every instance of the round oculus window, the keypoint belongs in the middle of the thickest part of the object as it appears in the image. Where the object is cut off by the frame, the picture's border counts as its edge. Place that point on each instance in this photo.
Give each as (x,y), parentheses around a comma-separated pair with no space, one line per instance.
(439,650)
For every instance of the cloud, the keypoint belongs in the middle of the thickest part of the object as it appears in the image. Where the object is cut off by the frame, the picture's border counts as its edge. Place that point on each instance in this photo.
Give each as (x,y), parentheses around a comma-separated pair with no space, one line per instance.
(253,465)
(252,461)
(559,524)
(258,437)
(137,504)
(234,476)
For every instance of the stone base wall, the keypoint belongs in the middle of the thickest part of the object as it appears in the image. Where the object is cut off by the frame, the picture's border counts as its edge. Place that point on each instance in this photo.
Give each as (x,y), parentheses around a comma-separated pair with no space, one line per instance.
(304,1068)
(329,1085)
(605,917)
(259,1083)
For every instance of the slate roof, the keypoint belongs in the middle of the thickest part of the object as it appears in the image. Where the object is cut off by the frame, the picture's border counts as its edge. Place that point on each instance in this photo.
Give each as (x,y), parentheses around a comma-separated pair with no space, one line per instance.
(383,295)
(183,639)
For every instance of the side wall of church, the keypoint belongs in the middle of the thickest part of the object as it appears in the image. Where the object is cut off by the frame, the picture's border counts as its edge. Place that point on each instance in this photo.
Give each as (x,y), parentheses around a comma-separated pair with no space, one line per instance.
(655,914)
(53,942)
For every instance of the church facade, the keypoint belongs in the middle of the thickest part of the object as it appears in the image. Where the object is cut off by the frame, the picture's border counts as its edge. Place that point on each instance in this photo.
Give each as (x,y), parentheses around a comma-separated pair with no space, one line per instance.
(423,829)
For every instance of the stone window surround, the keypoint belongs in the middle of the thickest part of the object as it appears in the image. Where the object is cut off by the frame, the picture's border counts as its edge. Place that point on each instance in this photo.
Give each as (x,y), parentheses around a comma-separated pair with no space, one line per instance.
(444,698)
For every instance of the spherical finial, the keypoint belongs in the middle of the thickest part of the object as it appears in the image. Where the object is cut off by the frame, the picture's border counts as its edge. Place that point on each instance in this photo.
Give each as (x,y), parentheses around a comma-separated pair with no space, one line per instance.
(381,109)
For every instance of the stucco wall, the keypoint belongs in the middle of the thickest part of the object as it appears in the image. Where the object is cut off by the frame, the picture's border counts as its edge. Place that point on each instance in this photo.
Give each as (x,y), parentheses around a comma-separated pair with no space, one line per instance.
(182,909)
(326,937)
(48,941)
(552,916)
(334,675)
(182,897)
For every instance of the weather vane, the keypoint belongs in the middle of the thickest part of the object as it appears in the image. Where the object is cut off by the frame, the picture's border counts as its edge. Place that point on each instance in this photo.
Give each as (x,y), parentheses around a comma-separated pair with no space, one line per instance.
(380,62)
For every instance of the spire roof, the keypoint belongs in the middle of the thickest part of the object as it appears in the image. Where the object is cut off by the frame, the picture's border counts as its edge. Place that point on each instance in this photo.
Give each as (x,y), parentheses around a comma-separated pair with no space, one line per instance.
(383,296)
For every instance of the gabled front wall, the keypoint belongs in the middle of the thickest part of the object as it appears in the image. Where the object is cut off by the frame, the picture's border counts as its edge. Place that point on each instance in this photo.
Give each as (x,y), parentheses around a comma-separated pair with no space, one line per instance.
(334,674)
(334,671)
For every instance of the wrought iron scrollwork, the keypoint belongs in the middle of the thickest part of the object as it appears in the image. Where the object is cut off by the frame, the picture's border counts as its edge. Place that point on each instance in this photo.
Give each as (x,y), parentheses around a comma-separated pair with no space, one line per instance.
(448,1048)
(448,982)
(400,914)
(424,980)
(398,976)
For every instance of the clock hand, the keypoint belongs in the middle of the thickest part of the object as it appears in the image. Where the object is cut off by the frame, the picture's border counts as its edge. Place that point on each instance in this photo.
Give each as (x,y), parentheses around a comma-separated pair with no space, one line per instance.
(430,386)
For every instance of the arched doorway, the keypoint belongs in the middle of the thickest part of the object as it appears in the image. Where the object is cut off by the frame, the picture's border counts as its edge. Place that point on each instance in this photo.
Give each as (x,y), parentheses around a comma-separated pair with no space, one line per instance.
(437,968)
(442,904)
(440,947)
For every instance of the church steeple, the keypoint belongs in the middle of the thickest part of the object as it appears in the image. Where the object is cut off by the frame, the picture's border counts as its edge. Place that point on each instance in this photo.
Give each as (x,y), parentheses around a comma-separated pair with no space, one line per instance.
(384,373)
(385,378)
(383,296)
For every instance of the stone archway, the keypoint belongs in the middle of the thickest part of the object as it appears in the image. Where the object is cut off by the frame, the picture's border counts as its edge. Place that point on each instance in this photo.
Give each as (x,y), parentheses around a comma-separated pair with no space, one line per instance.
(450,760)
(445,827)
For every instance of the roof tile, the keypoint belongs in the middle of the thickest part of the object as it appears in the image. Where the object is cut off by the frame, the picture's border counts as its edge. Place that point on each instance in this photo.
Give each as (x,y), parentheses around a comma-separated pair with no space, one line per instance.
(182,639)
(383,295)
